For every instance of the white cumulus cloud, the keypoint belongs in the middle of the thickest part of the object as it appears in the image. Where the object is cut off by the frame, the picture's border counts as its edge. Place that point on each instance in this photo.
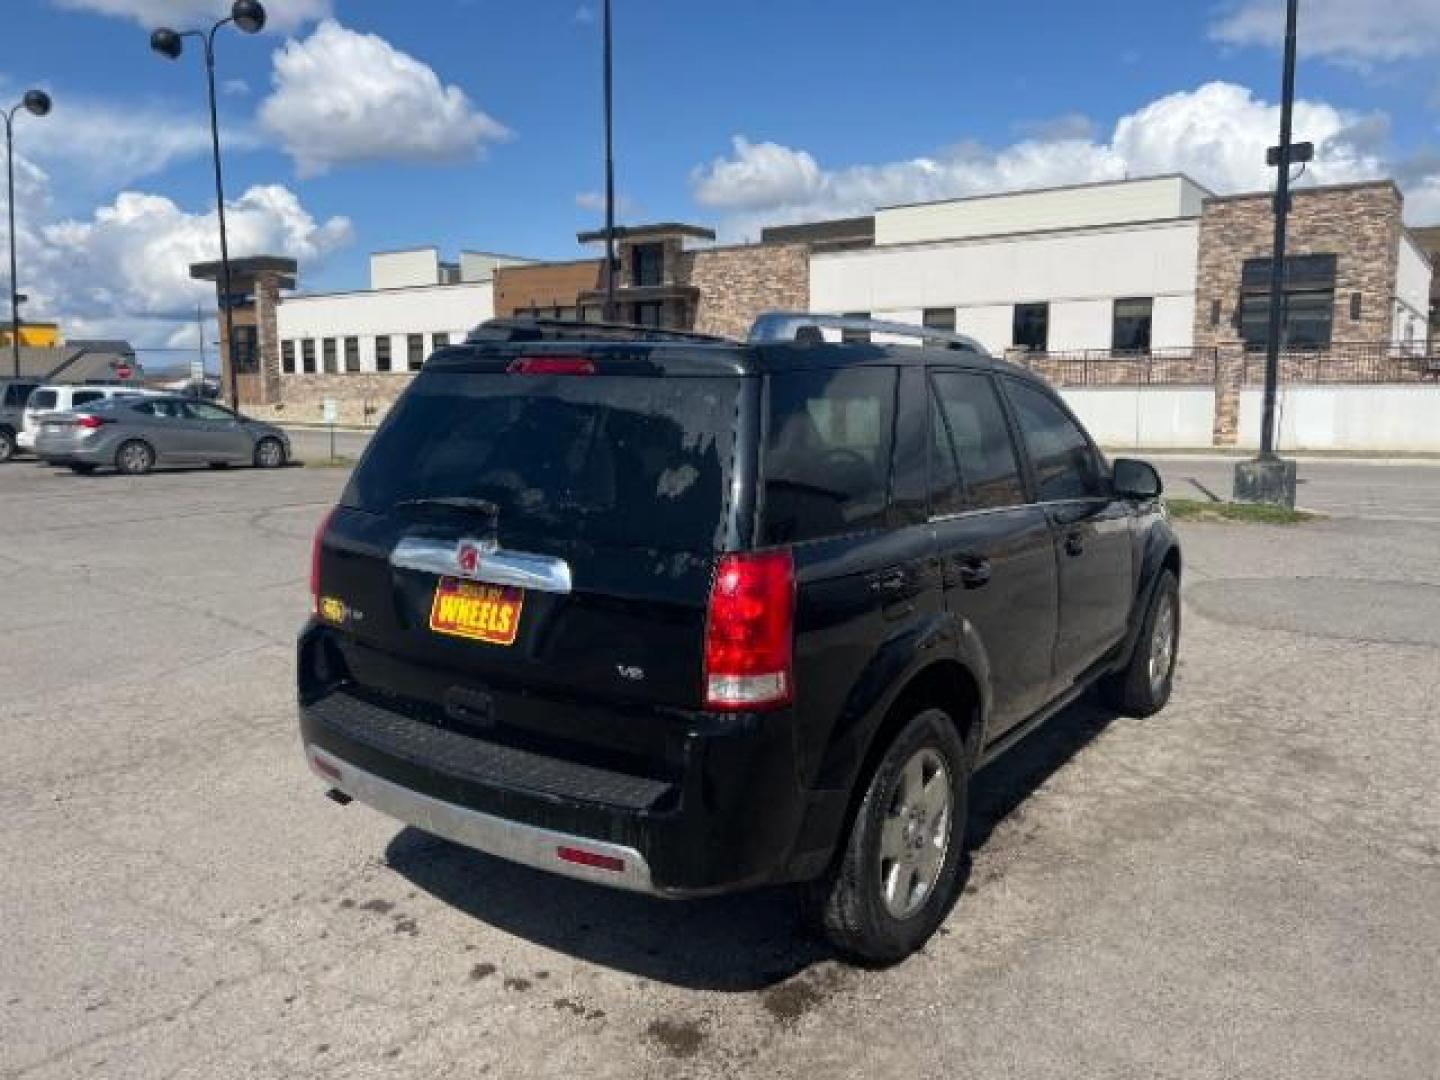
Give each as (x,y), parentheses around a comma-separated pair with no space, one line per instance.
(1216,133)
(342,97)
(184,14)
(125,269)
(1348,31)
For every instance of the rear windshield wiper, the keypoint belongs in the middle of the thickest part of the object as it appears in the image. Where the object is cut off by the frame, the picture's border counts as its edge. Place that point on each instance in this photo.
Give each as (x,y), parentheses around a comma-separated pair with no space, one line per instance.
(453,502)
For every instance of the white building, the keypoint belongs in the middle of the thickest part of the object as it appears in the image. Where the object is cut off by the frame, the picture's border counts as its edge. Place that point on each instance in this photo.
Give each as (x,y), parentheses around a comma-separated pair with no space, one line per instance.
(415,304)
(1095,266)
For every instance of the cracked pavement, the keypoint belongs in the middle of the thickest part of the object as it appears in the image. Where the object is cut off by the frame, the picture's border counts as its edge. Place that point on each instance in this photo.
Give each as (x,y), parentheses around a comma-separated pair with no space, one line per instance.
(1247,884)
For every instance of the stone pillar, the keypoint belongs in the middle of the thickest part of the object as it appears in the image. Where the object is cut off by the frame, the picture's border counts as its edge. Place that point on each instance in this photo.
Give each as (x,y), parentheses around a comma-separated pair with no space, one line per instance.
(267,332)
(1229,379)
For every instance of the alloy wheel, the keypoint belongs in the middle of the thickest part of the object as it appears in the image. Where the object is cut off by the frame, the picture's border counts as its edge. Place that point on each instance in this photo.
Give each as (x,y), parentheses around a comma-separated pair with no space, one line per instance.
(915,835)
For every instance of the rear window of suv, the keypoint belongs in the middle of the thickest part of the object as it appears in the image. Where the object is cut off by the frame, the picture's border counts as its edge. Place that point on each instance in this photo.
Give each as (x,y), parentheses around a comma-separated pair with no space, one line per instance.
(633,461)
(42,399)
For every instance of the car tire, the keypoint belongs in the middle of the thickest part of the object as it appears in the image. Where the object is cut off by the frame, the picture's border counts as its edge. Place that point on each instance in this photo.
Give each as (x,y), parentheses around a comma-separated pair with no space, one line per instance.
(82,468)
(7,444)
(1142,687)
(135,457)
(269,453)
(895,880)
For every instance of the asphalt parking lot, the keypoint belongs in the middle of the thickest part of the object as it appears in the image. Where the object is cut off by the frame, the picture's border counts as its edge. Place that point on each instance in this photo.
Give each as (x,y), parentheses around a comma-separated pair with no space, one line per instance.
(1246,885)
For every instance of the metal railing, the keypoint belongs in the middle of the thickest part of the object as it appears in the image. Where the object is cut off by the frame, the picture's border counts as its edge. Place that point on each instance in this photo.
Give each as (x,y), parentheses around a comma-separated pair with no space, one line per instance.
(1349,362)
(1119,367)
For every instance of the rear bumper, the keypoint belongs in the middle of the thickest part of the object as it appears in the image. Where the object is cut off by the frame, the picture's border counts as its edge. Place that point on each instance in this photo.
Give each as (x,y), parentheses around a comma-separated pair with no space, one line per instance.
(610,864)
(70,451)
(726,819)
(25,439)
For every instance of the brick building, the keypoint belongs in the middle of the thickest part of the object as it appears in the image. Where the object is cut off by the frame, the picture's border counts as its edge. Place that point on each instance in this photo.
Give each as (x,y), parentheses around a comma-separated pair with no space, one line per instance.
(1149,279)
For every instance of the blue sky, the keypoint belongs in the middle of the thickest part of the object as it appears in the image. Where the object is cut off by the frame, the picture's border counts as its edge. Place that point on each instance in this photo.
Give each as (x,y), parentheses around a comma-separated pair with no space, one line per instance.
(476,123)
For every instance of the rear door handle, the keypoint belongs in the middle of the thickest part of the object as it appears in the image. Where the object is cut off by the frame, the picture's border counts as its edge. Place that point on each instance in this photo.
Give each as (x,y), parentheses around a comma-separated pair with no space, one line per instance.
(888,582)
(1074,543)
(974,573)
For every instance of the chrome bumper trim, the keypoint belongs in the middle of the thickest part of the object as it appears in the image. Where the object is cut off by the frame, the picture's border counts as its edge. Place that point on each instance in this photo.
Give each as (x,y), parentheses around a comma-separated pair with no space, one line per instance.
(513,840)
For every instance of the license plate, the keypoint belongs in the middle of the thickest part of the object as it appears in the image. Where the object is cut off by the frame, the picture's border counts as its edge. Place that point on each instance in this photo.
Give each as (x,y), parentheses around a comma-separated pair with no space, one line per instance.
(474,610)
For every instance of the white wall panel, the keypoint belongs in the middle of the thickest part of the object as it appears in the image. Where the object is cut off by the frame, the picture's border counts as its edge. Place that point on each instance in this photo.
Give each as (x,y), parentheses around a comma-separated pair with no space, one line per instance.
(1360,419)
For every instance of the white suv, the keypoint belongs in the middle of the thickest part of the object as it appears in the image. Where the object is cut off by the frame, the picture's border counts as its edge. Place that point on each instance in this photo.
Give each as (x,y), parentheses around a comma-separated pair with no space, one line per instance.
(63,398)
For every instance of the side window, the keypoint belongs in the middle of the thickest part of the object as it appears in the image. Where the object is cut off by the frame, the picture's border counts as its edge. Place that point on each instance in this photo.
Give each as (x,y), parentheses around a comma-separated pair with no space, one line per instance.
(827,457)
(84,397)
(200,410)
(1065,464)
(42,399)
(947,494)
(16,394)
(973,422)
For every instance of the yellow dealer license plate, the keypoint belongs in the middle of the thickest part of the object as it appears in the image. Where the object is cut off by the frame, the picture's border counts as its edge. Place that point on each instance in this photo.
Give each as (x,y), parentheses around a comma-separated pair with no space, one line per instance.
(474,610)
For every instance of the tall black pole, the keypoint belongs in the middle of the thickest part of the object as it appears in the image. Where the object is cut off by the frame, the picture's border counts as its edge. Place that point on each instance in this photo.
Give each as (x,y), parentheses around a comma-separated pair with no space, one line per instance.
(10,202)
(1277,260)
(225,305)
(610,269)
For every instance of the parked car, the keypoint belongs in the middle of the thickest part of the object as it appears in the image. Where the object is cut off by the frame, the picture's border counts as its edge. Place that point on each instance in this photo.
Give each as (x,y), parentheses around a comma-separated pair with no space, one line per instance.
(13,395)
(136,434)
(684,616)
(45,401)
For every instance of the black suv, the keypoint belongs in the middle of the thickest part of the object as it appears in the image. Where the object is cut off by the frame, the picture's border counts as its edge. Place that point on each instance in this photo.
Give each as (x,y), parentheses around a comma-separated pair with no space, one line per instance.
(686,616)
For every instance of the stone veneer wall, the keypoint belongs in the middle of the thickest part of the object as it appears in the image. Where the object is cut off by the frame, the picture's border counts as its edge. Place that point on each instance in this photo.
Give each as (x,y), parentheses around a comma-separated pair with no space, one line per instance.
(1359,223)
(738,283)
(362,398)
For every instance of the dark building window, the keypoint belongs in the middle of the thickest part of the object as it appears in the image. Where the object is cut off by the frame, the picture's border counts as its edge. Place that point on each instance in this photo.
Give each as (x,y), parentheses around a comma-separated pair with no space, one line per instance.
(1354,307)
(307,356)
(647,265)
(649,314)
(382,353)
(287,357)
(327,348)
(415,351)
(856,337)
(352,354)
(246,352)
(1308,315)
(1215,312)
(939,318)
(1032,327)
(1132,323)
(440,340)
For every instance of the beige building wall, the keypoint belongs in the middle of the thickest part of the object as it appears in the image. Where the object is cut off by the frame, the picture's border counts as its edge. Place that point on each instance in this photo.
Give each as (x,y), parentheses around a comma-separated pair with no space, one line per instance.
(738,283)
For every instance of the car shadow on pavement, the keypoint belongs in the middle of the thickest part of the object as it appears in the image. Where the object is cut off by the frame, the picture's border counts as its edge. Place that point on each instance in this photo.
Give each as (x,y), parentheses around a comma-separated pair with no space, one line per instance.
(739,943)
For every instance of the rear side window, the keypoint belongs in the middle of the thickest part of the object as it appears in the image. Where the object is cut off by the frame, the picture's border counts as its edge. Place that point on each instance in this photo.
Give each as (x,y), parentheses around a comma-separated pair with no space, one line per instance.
(84,397)
(827,457)
(42,399)
(976,468)
(1066,465)
(620,460)
(17,393)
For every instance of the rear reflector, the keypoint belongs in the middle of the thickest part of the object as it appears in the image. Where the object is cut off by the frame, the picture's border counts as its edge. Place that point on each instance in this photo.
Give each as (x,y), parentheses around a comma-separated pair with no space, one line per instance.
(552,365)
(749,630)
(581,857)
(325,768)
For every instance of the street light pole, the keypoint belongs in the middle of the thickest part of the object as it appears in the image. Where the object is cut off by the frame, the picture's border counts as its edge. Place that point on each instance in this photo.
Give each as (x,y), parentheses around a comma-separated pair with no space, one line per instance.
(610,313)
(37,103)
(1269,478)
(1283,157)
(248,16)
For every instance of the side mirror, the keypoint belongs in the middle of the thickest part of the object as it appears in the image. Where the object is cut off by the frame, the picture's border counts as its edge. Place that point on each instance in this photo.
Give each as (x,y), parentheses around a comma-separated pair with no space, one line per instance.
(1136,479)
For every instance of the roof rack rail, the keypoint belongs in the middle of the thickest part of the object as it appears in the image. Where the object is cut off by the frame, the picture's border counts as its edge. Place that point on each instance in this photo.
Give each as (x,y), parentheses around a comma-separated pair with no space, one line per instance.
(548,329)
(773,326)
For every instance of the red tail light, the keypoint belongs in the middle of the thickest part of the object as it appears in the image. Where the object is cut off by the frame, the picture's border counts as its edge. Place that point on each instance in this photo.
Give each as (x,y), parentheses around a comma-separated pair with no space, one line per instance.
(749,632)
(552,365)
(315,548)
(88,422)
